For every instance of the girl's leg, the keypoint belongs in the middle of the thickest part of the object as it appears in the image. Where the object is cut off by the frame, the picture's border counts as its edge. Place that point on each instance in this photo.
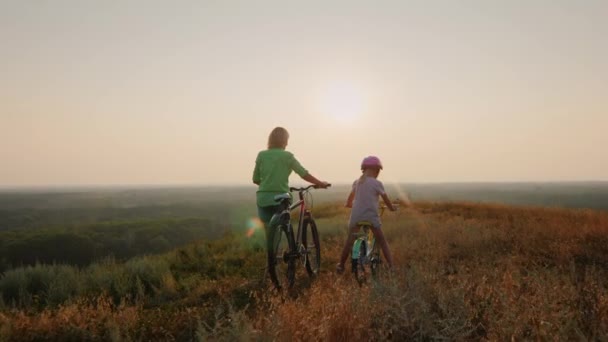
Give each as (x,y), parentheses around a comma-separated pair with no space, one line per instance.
(381,240)
(347,246)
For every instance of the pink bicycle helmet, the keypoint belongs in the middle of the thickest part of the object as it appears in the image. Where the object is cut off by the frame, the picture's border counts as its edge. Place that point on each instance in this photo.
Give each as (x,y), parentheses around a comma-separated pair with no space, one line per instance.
(371,162)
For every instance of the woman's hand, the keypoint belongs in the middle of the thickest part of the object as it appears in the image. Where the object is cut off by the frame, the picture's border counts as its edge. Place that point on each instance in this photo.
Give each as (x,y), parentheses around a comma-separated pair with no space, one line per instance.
(322,185)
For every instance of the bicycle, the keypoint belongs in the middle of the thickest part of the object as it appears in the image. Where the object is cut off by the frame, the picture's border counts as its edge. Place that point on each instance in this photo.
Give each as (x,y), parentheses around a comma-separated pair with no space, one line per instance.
(365,252)
(287,249)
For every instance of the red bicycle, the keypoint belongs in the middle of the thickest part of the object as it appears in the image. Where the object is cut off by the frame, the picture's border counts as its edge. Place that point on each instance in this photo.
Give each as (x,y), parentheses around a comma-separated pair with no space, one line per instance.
(287,248)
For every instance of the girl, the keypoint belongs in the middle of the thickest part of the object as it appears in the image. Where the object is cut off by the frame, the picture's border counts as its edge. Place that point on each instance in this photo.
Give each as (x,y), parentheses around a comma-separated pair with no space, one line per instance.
(271,173)
(363,200)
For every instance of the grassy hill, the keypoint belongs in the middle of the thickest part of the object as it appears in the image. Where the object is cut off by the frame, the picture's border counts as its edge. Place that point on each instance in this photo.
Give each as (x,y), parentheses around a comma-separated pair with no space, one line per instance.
(465,271)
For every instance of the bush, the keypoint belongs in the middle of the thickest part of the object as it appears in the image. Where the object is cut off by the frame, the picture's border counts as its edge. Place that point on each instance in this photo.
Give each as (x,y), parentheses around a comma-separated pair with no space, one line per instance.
(150,271)
(40,285)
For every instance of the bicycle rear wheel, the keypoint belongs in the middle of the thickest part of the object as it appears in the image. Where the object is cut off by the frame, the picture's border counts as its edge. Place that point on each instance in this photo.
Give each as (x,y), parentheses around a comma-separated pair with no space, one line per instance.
(359,259)
(312,247)
(281,257)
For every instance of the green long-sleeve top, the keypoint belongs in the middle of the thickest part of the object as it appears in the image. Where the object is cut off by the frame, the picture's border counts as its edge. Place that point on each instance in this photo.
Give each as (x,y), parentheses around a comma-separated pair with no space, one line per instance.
(271,172)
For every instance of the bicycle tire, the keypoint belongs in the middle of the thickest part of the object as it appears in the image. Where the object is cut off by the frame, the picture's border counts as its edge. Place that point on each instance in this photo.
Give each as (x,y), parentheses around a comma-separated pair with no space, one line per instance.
(374,264)
(312,247)
(358,260)
(281,262)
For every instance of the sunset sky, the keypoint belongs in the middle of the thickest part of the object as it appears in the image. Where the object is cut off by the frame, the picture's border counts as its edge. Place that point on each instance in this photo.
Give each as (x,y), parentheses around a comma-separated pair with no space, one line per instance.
(186,92)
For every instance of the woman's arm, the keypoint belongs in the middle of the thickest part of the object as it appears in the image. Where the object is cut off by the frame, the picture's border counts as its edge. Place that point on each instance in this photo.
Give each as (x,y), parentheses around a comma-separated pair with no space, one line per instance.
(302,172)
(311,179)
(256,173)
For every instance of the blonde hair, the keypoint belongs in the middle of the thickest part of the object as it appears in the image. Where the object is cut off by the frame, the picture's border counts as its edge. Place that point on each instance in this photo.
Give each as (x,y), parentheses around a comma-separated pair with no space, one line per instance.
(362,178)
(364,174)
(278,138)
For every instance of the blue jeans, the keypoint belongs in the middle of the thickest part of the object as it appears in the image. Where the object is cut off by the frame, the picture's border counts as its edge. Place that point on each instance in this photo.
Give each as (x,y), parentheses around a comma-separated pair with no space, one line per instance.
(265,214)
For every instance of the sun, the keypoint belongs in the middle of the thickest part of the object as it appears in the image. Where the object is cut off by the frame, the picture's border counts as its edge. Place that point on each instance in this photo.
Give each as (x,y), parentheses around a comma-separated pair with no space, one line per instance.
(342,101)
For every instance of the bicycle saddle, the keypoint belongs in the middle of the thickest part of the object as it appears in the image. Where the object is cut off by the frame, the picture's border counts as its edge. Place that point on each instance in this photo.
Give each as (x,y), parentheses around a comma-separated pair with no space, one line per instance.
(282,197)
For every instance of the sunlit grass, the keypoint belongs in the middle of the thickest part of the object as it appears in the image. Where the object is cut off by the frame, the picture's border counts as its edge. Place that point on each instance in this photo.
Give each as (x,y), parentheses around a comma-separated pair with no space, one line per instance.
(463,271)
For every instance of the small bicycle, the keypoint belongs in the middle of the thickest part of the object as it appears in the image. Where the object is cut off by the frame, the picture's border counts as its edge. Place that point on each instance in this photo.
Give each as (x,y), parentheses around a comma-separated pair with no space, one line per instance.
(287,249)
(365,253)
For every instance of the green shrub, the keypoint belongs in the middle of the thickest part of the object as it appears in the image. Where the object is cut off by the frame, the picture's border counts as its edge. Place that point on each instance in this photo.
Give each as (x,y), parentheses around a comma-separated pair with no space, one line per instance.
(40,285)
(149,270)
(13,285)
(109,277)
(64,284)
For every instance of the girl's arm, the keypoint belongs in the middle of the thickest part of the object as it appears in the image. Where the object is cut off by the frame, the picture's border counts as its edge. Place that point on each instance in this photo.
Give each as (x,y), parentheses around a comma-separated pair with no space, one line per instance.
(349,200)
(311,179)
(388,202)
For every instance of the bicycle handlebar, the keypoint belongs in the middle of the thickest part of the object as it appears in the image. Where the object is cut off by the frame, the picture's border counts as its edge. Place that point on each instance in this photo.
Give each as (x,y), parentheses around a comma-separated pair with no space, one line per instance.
(383,207)
(306,188)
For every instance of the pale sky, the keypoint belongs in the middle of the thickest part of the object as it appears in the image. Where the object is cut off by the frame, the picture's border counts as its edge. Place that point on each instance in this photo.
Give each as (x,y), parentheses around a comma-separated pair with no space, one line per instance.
(186,92)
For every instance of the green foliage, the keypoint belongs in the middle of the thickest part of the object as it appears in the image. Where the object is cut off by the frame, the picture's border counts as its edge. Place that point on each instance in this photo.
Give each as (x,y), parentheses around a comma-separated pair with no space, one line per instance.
(156,279)
(40,285)
(106,276)
(82,245)
(47,248)
(147,273)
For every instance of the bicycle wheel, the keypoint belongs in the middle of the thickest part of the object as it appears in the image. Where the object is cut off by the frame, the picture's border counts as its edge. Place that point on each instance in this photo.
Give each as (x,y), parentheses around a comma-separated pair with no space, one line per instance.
(359,259)
(312,247)
(374,256)
(281,258)
(374,264)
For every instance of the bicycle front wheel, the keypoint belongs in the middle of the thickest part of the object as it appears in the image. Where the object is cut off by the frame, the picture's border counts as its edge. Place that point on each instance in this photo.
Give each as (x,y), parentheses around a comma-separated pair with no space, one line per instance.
(375,263)
(281,257)
(374,260)
(312,247)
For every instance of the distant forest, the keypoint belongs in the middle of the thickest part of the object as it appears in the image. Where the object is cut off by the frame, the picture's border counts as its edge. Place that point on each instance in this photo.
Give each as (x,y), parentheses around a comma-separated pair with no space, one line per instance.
(79,226)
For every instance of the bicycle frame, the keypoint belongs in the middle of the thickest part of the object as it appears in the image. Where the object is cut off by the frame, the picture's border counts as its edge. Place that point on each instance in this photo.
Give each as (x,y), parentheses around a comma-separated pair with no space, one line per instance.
(284,215)
(304,212)
(297,247)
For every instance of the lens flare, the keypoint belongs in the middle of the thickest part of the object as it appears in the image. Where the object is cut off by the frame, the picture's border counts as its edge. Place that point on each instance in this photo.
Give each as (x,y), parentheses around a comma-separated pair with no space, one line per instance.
(253,224)
(415,214)
(402,195)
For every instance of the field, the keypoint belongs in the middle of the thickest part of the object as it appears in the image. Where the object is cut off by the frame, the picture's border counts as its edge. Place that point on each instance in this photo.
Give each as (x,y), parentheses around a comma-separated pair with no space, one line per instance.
(182,264)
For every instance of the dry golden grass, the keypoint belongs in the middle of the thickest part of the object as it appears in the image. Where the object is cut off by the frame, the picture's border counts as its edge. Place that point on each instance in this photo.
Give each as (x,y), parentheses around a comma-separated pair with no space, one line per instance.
(83,320)
(464,271)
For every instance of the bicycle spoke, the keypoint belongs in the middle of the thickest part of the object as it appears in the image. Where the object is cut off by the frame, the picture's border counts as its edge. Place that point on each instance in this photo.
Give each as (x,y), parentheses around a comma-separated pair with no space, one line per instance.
(282,265)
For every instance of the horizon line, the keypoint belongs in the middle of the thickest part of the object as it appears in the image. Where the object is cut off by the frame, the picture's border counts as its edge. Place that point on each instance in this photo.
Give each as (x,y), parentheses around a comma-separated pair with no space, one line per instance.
(56,187)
